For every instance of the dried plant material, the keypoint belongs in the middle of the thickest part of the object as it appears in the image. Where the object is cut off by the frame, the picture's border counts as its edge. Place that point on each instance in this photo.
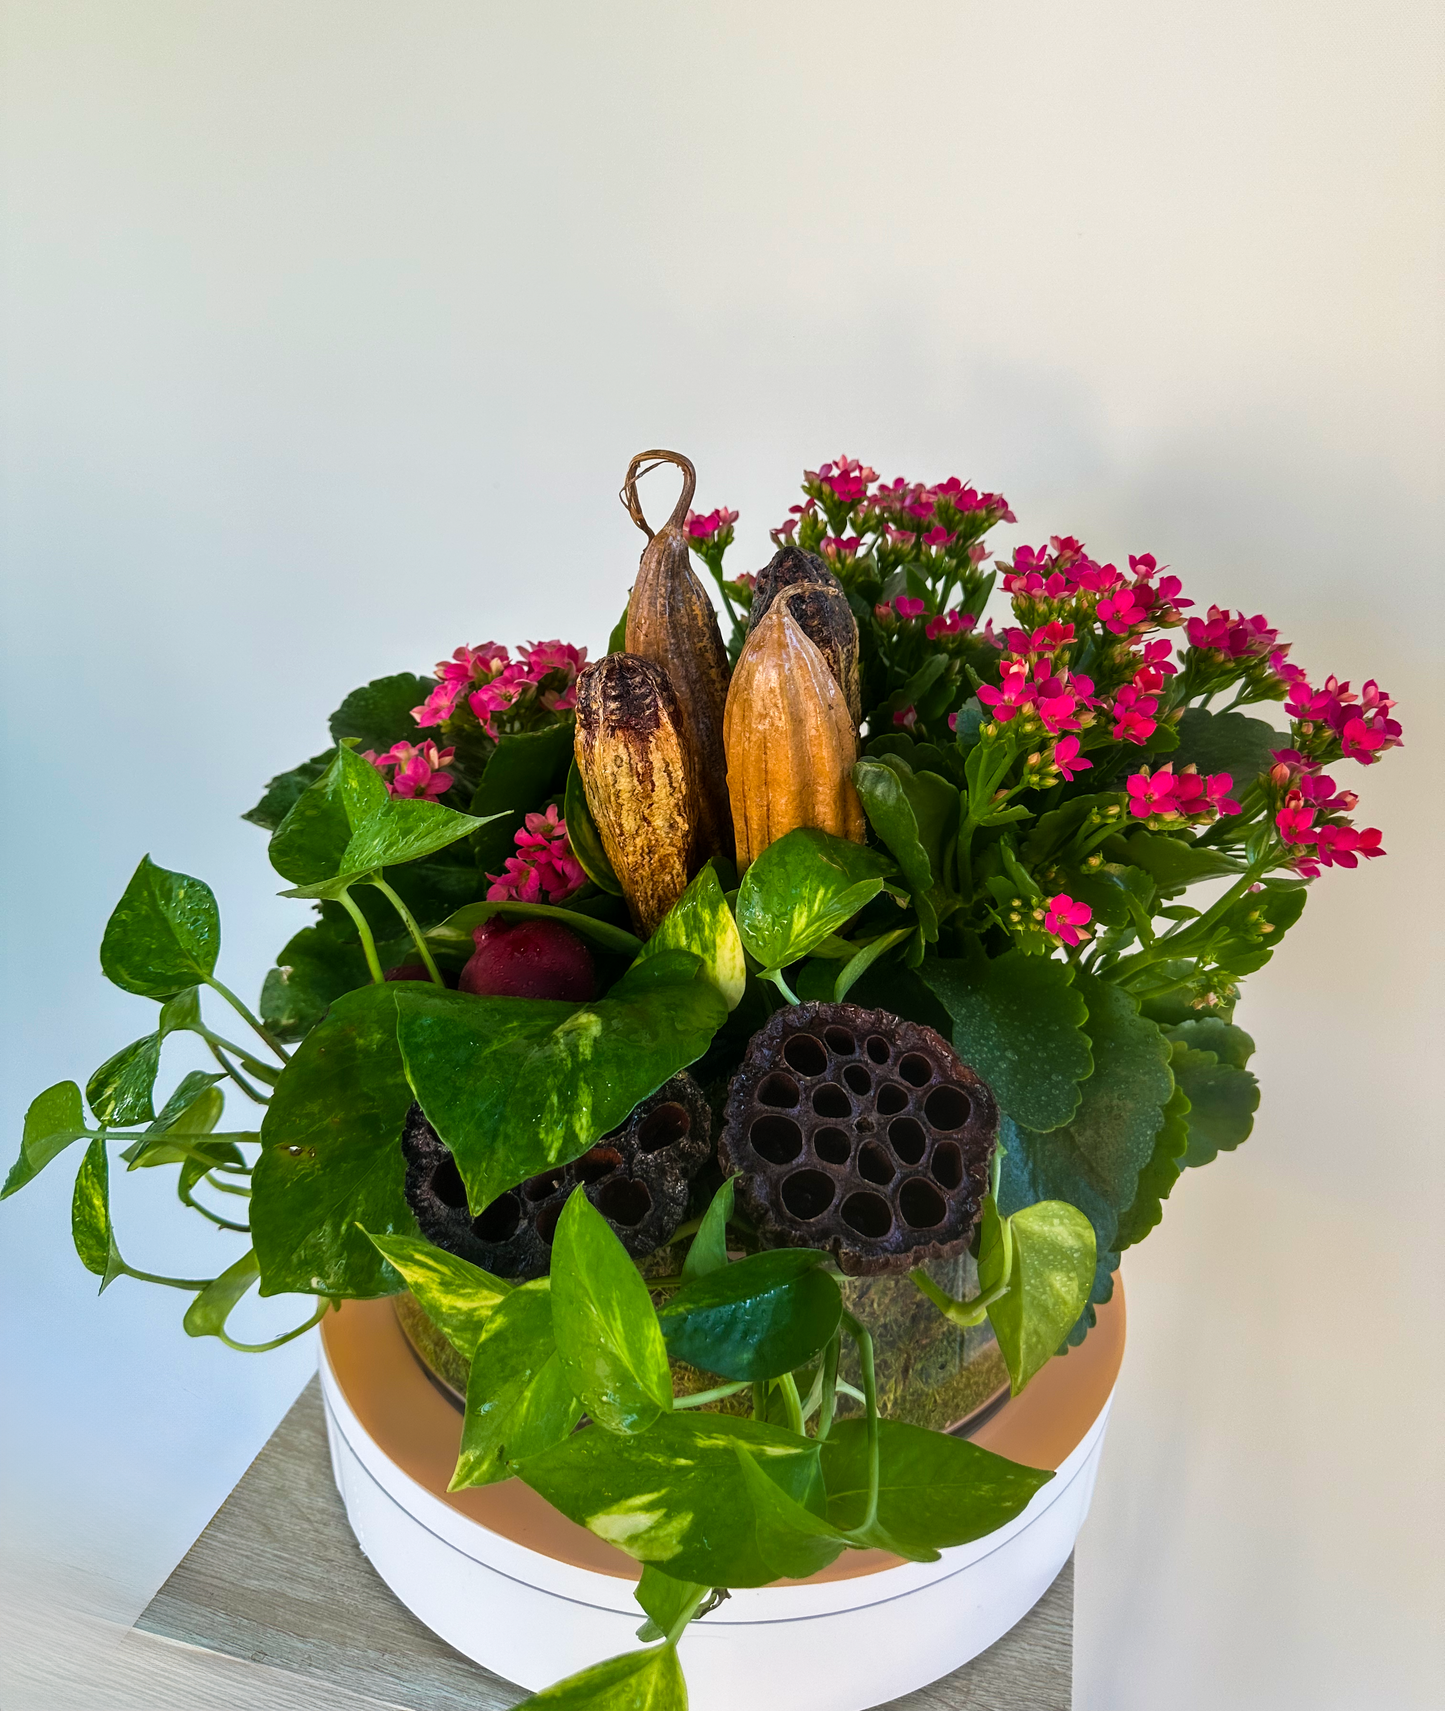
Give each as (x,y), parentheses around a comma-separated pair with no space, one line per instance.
(791,743)
(637,776)
(671,622)
(861,1133)
(785,569)
(826,619)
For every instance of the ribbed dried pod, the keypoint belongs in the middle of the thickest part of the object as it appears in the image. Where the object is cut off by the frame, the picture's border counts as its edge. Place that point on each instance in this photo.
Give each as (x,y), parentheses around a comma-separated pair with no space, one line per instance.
(785,569)
(636,772)
(826,619)
(791,743)
(671,621)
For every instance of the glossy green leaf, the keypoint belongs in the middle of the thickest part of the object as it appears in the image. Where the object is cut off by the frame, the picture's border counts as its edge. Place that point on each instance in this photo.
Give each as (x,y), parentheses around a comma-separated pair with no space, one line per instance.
(665,1600)
(1174,861)
(603,1319)
(522,772)
(1019,1021)
(90,1225)
(207,1314)
(514,1085)
(458,929)
(120,1091)
(1157,1178)
(1095,1159)
(519,1400)
(1054,1255)
(709,1248)
(585,839)
(862,960)
(636,1681)
(193,1109)
(459,1298)
(53,1120)
(1230,1044)
(792,1539)
(331,1167)
(309,844)
(316,966)
(163,936)
(676,1495)
(180,1014)
(933,1490)
(1222,1102)
(917,816)
(1226,742)
(283,792)
(701,922)
(802,888)
(379,714)
(767,1315)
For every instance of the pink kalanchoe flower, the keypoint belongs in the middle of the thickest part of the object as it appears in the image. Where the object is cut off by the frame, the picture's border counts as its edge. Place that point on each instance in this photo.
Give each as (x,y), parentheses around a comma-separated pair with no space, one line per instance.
(1068,760)
(954,623)
(497,695)
(1232,634)
(906,607)
(907,718)
(1064,918)
(702,526)
(1151,795)
(1279,664)
(544,659)
(1122,611)
(1216,793)
(938,536)
(847,479)
(744,579)
(1134,720)
(416,770)
(1014,692)
(544,869)
(1295,820)
(466,666)
(840,549)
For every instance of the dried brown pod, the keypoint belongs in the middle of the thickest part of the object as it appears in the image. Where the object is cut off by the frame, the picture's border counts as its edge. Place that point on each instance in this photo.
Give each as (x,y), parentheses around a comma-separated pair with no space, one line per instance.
(671,621)
(826,619)
(636,772)
(785,569)
(861,1133)
(638,1177)
(791,742)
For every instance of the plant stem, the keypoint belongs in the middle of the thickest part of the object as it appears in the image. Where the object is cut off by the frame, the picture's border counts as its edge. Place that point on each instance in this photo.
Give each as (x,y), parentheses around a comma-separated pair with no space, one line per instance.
(235,1074)
(858,1332)
(368,944)
(776,976)
(788,1386)
(254,1021)
(276,1342)
(699,1397)
(830,1387)
(679,1627)
(262,1071)
(193,1284)
(417,937)
(760,1399)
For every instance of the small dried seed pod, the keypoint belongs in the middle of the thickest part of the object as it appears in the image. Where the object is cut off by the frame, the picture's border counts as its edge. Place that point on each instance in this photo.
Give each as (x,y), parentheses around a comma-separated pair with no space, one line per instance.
(785,569)
(861,1133)
(826,619)
(633,760)
(637,1177)
(791,743)
(671,621)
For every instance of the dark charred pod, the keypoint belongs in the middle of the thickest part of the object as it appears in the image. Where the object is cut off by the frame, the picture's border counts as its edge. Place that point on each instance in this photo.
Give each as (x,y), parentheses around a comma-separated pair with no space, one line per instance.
(826,619)
(860,1133)
(787,566)
(638,1178)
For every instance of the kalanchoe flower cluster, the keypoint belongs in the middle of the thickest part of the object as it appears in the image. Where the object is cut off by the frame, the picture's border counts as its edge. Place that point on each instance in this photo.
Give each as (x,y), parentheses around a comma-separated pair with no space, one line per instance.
(1313,817)
(1334,720)
(1168,798)
(1062,582)
(501,692)
(413,770)
(1056,701)
(544,870)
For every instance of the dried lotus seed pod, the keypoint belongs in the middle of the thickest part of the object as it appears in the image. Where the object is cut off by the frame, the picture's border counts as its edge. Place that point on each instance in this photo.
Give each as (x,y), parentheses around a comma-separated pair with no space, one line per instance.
(826,619)
(638,1178)
(861,1133)
(785,569)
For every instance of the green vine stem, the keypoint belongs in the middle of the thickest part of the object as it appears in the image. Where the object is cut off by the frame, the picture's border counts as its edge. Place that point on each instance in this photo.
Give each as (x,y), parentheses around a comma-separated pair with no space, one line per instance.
(254,1021)
(788,1389)
(417,936)
(276,1342)
(864,1343)
(699,1398)
(829,1376)
(368,944)
(235,1075)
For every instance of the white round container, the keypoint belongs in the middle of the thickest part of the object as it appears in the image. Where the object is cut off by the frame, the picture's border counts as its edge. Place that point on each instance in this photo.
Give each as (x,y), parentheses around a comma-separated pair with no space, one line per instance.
(511,1584)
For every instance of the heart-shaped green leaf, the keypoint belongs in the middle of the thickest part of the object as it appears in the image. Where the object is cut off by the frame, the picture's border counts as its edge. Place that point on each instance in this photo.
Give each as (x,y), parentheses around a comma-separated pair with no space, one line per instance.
(636,1681)
(459,1298)
(1048,1287)
(54,1119)
(764,1316)
(120,1090)
(803,887)
(701,922)
(163,936)
(709,1248)
(90,1225)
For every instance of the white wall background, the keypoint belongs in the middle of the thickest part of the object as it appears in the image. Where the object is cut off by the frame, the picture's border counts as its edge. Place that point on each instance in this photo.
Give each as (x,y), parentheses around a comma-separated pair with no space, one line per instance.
(328,330)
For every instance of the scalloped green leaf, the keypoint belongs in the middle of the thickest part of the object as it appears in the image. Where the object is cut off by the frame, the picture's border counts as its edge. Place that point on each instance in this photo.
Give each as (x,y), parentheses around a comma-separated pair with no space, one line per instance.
(1157,1178)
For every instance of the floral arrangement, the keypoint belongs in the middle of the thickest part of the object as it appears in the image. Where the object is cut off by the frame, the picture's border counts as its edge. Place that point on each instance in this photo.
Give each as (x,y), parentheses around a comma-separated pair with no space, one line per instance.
(646,1002)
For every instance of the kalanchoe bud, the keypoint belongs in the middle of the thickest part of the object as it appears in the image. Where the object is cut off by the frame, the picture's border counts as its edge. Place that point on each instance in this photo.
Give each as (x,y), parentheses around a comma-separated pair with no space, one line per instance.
(638,1178)
(858,1132)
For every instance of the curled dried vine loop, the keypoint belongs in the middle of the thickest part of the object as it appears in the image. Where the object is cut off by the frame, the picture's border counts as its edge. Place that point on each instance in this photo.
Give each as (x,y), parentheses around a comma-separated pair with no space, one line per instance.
(643,464)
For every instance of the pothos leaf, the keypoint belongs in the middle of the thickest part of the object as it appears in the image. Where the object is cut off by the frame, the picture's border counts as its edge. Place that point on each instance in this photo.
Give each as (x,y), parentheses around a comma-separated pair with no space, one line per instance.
(163,936)
(637,1681)
(665,1600)
(459,1298)
(709,1249)
(1048,1288)
(760,1318)
(701,922)
(90,1225)
(207,1314)
(803,887)
(54,1119)
(120,1090)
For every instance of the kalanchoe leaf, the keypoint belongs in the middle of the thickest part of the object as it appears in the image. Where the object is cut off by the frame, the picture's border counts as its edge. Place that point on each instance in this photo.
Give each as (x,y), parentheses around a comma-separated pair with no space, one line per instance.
(1174,861)
(1215,1034)
(163,936)
(120,1090)
(380,712)
(1052,1272)
(1222,1098)
(582,833)
(1254,926)
(709,1249)
(283,791)
(675,1495)
(1019,1021)
(933,1490)
(1095,1159)
(522,772)
(53,1120)
(207,1314)
(1226,742)
(1158,1177)
(608,1338)
(701,922)
(90,1225)
(916,815)
(636,1681)
(764,1316)
(458,1298)
(519,1400)
(515,1085)
(803,887)
(331,1167)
